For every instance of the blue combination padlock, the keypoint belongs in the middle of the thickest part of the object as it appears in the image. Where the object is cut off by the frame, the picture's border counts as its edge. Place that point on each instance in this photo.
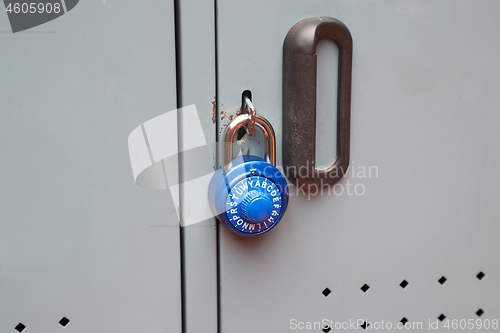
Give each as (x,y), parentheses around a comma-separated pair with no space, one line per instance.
(248,194)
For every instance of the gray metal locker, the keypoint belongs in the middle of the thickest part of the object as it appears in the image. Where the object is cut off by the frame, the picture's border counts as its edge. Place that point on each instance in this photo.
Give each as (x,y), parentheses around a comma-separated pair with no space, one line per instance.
(78,239)
(425,102)
(81,240)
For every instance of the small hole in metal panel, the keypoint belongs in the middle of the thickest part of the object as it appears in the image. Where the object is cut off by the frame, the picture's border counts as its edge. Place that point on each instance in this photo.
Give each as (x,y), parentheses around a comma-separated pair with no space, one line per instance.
(365,325)
(479,312)
(403,321)
(480,276)
(20,327)
(365,288)
(246,93)
(326,292)
(442,317)
(442,280)
(64,321)
(326,329)
(404,284)
(242,131)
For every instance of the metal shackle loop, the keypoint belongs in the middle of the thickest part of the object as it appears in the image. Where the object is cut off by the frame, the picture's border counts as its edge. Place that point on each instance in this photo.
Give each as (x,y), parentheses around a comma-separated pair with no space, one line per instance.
(232,129)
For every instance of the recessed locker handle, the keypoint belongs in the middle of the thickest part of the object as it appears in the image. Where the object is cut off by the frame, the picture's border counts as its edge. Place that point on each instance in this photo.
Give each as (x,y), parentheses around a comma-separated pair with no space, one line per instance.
(299,101)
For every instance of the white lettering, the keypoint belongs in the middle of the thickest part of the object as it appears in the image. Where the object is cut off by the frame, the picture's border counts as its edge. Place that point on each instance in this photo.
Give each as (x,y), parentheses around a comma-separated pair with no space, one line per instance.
(356,189)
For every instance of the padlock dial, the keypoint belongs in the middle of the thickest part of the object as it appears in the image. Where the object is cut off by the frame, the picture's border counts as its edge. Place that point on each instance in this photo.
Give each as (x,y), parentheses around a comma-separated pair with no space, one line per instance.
(254,204)
(251,197)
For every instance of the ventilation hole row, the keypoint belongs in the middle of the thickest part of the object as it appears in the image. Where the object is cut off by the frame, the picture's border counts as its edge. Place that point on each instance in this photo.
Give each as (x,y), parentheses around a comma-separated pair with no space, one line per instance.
(442,280)
(480,276)
(442,317)
(479,313)
(364,326)
(21,327)
(403,321)
(326,292)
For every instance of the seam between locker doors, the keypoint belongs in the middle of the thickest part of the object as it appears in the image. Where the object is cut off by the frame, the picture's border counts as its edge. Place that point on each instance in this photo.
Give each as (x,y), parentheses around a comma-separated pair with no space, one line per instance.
(218,233)
(178,93)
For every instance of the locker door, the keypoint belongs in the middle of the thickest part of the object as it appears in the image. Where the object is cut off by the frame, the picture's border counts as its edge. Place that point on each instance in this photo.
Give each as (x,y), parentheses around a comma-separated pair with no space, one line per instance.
(419,244)
(82,247)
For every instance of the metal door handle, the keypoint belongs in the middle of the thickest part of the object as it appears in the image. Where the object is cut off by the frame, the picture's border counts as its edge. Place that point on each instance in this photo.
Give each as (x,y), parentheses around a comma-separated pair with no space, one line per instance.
(299,101)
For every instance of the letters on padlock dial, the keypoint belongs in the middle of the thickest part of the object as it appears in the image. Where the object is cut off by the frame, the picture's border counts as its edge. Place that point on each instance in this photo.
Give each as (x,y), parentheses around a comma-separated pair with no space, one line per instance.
(248,194)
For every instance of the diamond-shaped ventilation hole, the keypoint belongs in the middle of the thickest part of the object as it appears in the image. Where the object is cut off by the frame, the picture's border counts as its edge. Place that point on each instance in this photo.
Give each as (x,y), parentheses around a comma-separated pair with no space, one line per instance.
(365,288)
(442,280)
(442,317)
(404,284)
(326,292)
(20,327)
(479,312)
(365,325)
(403,321)
(480,276)
(64,321)
(327,329)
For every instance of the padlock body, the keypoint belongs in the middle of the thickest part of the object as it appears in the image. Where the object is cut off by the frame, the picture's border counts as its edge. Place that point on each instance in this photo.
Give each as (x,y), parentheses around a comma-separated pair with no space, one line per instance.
(251,197)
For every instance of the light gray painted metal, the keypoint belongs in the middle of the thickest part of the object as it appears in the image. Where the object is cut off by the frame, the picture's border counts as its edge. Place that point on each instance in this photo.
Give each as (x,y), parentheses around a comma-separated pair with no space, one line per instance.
(197,86)
(425,101)
(326,99)
(78,238)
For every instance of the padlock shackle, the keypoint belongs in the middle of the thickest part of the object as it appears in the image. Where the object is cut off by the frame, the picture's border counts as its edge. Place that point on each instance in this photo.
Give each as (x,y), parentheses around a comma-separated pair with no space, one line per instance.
(233,127)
